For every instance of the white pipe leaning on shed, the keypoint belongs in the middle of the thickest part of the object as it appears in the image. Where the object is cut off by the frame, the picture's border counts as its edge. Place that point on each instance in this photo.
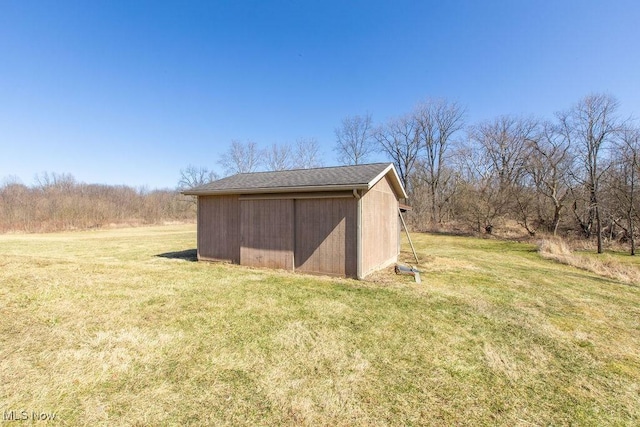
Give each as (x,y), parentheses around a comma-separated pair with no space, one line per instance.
(415,255)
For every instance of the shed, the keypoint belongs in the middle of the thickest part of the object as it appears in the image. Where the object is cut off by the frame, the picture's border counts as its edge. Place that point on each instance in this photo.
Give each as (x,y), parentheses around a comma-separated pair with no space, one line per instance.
(340,221)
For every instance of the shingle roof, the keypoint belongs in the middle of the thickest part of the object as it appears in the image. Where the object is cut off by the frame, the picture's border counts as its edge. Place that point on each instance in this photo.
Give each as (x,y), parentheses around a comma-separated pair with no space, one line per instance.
(319,179)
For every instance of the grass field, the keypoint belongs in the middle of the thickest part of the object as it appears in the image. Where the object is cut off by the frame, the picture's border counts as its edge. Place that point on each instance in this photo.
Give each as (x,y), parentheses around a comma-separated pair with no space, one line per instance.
(120,327)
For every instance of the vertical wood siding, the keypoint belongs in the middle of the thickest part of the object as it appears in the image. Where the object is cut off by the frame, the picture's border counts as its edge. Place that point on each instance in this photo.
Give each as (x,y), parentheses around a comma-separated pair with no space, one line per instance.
(306,234)
(380,232)
(266,230)
(219,228)
(325,236)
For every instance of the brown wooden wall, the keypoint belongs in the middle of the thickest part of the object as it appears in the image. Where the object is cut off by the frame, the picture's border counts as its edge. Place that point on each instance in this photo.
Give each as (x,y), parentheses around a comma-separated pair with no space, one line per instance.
(380,232)
(325,236)
(266,229)
(313,235)
(219,228)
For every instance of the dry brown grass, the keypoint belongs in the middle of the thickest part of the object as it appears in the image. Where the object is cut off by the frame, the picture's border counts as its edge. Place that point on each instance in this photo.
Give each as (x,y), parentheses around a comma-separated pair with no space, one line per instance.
(603,265)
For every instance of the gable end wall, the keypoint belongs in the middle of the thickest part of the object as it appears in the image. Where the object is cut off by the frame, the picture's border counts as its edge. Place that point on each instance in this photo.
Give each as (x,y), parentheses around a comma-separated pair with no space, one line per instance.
(380,229)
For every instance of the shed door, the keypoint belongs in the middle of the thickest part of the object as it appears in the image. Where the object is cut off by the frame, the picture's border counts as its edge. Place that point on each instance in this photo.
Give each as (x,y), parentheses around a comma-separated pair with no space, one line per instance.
(325,236)
(266,233)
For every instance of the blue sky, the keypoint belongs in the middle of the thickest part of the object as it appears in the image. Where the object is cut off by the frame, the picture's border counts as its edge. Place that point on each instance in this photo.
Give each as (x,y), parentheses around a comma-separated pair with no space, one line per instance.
(130,92)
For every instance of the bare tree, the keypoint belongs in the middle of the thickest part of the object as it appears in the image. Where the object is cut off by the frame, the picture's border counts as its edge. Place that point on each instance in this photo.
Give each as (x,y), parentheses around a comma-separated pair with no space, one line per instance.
(12,193)
(241,158)
(625,185)
(307,154)
(399,139)
(504,143)
(438,120)
(548,166)
(499,152)
(479,202)
(353,140)
(279,157)
(54,181)
(590,126)
(194,176)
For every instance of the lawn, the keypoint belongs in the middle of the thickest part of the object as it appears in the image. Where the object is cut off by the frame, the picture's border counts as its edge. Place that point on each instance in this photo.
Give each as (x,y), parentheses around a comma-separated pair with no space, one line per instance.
(121,327)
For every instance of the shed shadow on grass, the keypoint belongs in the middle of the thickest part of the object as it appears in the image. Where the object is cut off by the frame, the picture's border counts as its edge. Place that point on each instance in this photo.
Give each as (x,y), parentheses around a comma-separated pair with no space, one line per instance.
(186,255)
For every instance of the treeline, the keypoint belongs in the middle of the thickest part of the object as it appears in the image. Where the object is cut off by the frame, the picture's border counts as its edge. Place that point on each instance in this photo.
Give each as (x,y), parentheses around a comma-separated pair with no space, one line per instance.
(574,174)
(59,202)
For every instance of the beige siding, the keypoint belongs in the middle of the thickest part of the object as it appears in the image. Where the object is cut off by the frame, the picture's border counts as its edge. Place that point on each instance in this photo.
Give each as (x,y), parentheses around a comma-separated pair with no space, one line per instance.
(219,228)
(266,230)
(380,230)
(325,236)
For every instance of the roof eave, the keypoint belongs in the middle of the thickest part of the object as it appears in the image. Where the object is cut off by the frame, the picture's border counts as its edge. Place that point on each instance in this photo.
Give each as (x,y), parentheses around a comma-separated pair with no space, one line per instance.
(269,190)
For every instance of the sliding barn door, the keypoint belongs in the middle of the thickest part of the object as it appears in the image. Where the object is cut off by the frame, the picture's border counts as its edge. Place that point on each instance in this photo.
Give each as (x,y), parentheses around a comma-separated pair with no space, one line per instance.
(325,236)
(266,233)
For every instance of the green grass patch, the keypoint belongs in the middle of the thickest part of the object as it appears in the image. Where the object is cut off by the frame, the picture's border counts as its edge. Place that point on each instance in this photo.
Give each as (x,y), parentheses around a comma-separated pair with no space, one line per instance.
(121,327)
